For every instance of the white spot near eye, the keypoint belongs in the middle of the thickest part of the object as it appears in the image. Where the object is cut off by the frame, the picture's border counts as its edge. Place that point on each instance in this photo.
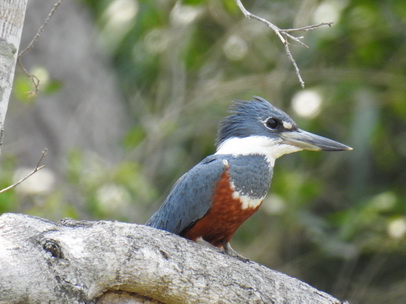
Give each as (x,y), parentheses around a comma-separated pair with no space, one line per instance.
(287,125)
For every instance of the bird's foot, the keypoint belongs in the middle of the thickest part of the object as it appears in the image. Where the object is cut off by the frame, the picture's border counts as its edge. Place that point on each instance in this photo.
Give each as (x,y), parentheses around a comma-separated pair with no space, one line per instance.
(230,251)
(207,244)
(227,249)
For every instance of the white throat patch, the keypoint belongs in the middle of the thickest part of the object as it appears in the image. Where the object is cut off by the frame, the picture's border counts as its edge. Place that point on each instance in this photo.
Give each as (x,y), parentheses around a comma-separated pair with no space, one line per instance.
(260,145)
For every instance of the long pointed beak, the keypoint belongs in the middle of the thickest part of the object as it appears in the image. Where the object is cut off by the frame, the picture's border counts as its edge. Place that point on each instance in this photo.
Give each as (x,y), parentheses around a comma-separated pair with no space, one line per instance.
(309,141)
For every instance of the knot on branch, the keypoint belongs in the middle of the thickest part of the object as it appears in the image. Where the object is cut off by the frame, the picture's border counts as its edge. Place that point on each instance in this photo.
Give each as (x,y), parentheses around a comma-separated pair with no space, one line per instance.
(54,248)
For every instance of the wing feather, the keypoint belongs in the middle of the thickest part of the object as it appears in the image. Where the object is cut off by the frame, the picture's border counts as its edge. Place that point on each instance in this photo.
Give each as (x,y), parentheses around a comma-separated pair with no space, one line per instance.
(191,196)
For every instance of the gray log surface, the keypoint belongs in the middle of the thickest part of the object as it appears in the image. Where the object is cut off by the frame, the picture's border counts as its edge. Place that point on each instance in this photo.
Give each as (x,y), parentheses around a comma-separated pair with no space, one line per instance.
(113,262)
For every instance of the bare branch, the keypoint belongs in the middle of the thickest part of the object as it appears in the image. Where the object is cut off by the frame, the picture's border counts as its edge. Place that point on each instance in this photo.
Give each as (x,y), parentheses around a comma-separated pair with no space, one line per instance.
(249,15)
(36,169)
(41,29)
(284,35)
(290,56)
(309,27)
(34,79)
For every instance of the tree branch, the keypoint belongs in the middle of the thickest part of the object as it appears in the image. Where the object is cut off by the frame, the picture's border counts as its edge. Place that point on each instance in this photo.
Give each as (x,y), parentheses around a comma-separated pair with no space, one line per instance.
(36,169)
(34,79)
(99,262)
(284,35)
(11,27)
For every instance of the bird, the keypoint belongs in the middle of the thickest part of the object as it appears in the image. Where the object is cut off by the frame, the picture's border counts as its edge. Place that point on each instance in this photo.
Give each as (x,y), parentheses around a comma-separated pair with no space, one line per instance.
(211,201)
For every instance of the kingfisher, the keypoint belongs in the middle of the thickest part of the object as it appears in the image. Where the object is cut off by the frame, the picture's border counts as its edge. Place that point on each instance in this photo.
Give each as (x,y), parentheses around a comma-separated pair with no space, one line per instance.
(216,196)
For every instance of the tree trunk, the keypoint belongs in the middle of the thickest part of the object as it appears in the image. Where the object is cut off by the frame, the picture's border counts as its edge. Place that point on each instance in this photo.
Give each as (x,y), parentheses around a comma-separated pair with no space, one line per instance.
(12,13)
(112,262)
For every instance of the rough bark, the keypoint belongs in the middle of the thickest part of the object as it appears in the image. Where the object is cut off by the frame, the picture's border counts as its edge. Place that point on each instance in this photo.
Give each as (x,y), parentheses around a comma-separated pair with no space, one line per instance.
(112,262)
(12,13)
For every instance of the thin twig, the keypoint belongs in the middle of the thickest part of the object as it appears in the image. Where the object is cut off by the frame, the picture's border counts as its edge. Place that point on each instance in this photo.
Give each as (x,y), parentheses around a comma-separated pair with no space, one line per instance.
(284,35)
(290,56)
(309,27)
(249,15)
(34,79)
(41,29)
(36,169)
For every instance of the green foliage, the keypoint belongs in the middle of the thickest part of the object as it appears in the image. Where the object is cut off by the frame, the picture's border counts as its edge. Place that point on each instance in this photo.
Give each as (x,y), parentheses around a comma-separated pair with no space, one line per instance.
(22,85)
(109,193)
(8,198)
(24,89)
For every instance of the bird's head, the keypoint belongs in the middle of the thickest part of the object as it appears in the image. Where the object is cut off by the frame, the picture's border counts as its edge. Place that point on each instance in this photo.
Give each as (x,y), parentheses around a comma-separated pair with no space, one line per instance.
(257,127)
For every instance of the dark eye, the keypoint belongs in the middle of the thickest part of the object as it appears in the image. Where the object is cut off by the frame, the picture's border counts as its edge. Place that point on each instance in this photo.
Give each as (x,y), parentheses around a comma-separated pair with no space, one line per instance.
(272,123)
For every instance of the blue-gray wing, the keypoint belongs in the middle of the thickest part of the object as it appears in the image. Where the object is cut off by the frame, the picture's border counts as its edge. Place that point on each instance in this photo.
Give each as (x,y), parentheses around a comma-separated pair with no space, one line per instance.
(191,196)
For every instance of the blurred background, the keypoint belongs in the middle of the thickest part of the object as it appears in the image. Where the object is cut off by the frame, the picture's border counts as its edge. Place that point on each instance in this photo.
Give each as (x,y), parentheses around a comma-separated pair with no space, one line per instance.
(131,94)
